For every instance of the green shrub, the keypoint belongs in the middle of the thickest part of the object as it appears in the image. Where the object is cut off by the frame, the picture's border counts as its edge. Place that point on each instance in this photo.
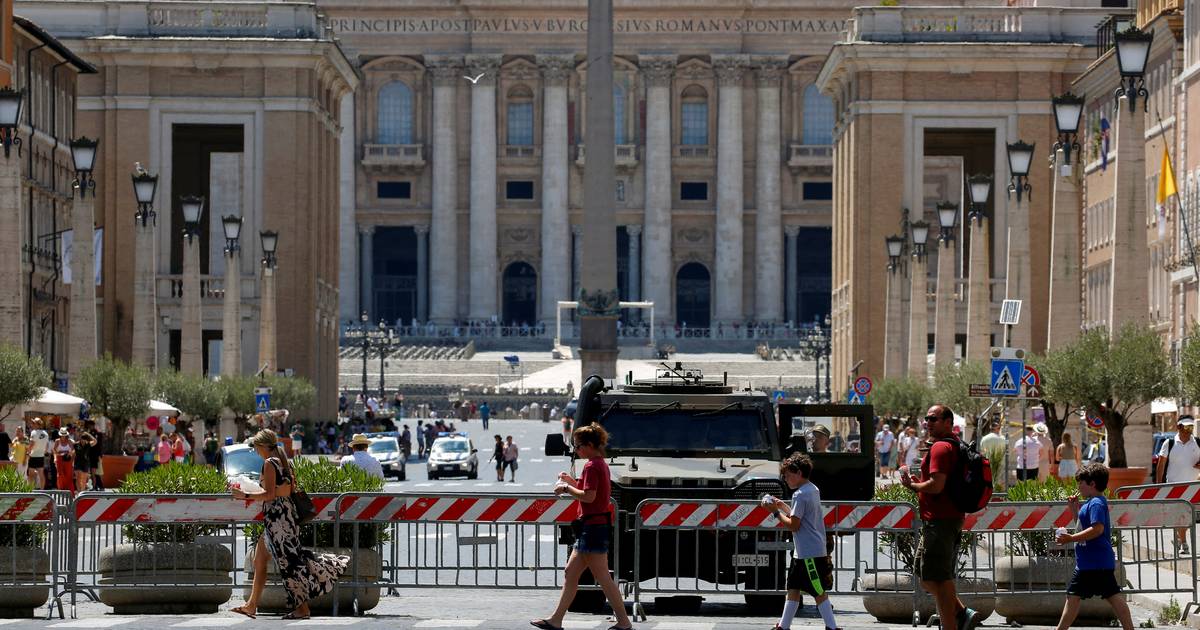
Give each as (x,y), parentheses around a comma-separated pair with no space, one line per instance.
(323,477)
(173,479)
(1038,543)
(904,545)
(19,535)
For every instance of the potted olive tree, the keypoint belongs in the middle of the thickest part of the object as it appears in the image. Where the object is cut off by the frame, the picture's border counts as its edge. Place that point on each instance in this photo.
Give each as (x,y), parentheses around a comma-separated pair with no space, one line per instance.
(322,476)
(169,553)
(237,394)
(197,398)
(120,392)
(24,562)
(21,379)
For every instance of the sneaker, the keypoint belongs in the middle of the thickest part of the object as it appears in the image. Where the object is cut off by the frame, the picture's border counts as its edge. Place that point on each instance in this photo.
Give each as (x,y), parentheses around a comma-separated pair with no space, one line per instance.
(1183,549)
(968,619)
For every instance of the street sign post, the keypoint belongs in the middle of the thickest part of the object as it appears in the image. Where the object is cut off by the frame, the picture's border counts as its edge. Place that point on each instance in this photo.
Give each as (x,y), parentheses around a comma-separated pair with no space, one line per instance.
(862,386)
(1031,383)
(1008,367)
(262,399)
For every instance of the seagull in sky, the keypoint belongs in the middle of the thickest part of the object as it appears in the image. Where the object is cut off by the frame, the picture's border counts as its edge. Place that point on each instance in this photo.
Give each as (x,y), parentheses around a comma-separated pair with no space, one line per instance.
(476,79)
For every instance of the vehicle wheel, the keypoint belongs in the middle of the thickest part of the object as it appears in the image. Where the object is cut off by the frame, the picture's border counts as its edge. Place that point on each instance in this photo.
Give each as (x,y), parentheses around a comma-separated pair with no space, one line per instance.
(764,605)
(474,474)
(433,476)
(588,602)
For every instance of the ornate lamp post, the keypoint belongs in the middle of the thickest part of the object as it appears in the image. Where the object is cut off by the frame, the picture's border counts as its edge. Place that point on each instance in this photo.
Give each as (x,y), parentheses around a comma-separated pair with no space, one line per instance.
(1020,156)
(369,337)
(231,330)
(1017,285)
(944,323)
(267,346)
(10,117)
(918,304)
(1065,316)
(979,323)
(145,307)
(191,335)
(83,288)
(1133,51)
(1068,109)
(895,333)
(13,324)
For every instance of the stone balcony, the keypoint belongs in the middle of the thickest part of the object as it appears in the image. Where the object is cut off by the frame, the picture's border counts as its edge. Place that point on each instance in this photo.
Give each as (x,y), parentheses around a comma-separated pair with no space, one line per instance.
(693,151)
(212,288)
(520,152)
(809,156)
(383,158)
(626,155)
(977,24)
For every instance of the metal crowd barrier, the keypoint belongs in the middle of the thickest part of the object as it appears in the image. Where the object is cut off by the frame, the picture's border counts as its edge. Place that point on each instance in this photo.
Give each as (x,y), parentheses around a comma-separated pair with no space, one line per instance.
(723,547)
(28,547)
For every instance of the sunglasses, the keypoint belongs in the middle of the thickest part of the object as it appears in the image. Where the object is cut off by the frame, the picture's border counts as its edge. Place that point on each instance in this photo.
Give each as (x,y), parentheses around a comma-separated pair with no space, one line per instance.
(932,418)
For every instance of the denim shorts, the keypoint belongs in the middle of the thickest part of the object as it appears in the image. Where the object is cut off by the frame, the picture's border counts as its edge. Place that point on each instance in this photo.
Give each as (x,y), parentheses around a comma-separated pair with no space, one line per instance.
(593,538)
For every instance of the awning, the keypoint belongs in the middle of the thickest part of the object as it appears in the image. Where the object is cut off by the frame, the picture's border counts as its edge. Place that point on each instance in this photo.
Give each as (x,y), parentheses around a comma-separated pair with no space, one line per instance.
(54,402)
(1163,405)
(160,408)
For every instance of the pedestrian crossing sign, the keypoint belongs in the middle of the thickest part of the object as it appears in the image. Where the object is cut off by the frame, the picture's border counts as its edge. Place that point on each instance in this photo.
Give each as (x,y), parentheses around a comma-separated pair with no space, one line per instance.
(1006,375)
(262,399)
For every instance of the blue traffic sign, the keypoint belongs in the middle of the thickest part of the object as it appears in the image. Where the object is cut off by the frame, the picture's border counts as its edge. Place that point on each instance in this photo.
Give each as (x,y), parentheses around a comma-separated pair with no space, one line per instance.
(854,398)
(262,400)
(779,395)
(1006,376)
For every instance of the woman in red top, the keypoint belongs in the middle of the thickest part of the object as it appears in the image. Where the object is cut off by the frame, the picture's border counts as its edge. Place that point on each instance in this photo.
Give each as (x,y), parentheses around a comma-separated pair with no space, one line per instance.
(593,490)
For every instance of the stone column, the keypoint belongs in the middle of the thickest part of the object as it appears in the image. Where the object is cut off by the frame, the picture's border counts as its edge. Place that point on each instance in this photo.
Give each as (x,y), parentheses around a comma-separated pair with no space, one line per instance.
(231,325)
(729,243)
(658,273)
(145,316)
(1017,279)
(267,331)
(555,162)
(1065,317)
(366,270)
(767,234)
(83,286)
(918,319)
(635,262)
(1129,299)
(895,332)
(790,285)
(483,187)
(945,321)
(576,258)
(12,255)
(422,272)
(979,307)
(347,212)
(443,229)
(191,331)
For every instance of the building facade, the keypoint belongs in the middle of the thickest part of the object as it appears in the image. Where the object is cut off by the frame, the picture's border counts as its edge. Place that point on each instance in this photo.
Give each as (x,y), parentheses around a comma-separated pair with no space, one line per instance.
(462,179)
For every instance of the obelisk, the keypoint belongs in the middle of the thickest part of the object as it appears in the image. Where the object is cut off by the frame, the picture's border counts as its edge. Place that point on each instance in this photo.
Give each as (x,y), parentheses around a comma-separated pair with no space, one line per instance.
(598,301)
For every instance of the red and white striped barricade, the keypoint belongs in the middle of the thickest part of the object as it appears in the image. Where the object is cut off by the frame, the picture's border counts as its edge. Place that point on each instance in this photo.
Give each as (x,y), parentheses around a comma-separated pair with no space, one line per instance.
(26,520)
(1048,516)
(489,509)
(1185,491)
(26,508)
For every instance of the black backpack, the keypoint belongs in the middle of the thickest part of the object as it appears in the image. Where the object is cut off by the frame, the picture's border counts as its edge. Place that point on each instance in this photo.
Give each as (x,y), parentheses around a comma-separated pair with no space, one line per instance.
(970,487)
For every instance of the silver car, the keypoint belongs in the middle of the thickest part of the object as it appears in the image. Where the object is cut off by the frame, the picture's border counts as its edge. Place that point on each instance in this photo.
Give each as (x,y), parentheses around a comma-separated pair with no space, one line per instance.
(387,451)
(240,459)
(453,455)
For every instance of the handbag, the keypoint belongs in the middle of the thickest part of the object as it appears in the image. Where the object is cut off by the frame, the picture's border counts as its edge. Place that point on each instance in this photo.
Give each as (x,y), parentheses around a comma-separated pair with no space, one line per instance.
(305,510)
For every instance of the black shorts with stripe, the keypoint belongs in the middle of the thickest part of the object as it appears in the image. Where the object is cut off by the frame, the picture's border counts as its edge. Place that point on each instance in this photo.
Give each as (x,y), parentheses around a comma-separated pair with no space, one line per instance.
(810,575)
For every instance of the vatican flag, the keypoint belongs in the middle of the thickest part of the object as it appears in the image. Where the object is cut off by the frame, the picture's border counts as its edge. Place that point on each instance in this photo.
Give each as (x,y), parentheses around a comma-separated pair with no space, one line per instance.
(1166,188)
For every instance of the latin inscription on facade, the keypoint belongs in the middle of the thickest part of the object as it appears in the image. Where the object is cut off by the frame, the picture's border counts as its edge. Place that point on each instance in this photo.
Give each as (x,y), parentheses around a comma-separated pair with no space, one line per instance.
(646,26)
(162,17)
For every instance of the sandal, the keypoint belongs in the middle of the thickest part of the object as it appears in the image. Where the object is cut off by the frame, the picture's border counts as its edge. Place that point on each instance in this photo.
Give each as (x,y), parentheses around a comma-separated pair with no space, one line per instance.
(241,610)
(293,616)
(544,625)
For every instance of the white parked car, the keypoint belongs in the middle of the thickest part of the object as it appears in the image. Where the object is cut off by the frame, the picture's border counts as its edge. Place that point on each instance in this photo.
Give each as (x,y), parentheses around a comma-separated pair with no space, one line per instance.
(239,460)
(387,451)
(453,455)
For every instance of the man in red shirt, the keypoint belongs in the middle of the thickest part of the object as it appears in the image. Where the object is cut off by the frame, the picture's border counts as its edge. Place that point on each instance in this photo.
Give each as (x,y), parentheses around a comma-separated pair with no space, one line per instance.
(941,521)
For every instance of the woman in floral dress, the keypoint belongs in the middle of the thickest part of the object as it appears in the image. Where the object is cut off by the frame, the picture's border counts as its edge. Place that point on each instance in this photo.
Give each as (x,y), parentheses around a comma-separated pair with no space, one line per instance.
(305,574)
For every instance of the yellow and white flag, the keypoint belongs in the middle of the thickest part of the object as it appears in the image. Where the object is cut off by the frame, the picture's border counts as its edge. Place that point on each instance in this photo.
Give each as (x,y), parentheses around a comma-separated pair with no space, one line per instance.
(1166,188)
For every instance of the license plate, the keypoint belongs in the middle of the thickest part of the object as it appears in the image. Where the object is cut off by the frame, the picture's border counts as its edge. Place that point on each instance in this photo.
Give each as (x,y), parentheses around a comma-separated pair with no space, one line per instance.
(447,468)
(751,560)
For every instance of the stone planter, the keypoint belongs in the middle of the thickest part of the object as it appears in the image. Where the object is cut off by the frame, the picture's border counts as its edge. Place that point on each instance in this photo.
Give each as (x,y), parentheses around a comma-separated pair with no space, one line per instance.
(1133,476)
(885,599)
(23,585)
(1041,575)
(202,572)
(370,568)
(116,468)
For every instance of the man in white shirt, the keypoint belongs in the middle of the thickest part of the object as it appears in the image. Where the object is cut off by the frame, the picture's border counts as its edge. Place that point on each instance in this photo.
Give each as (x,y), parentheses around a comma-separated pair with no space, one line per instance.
(361,458)
(993,444)
(884,440)
(39,442)
(1178,460)
(1028,451)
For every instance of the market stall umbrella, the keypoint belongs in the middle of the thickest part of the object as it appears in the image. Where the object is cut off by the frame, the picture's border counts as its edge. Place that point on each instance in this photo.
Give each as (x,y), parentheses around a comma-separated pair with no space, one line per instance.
(160,408)
(55,403)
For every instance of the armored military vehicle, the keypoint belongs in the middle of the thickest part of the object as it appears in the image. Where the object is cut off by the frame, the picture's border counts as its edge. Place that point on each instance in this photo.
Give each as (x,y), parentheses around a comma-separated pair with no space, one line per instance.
(684,437)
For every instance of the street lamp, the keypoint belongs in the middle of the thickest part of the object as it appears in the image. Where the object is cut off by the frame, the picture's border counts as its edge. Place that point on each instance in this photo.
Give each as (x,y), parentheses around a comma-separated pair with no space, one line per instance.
(270,239)
(895,248)
(1068,109)
(920,234)
(980,187)
(1020,157)
(83,155)
(193,208)
(145,186)
(1133,50)
(233,230)
(10,117)
(947,218)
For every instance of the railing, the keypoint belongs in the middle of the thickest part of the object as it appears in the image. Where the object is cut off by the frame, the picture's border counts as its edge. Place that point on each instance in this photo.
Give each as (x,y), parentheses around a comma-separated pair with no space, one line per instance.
(528,151)
(211,287)
(975,24)
(800,155)
(692,151)
(626,155)
(464,331)
(393,155)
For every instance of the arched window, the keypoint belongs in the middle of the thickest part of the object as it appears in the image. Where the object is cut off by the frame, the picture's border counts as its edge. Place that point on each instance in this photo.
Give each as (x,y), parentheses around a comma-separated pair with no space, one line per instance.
(520,116)
(818,117)
(395,112)
(618,114)
(693,116)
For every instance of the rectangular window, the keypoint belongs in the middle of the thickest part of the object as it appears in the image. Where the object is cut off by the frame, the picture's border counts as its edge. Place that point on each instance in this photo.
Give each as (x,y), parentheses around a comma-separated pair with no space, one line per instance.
(818,191)
(520,190)
(694,123)
(393,190)
(693,191)
(520,123)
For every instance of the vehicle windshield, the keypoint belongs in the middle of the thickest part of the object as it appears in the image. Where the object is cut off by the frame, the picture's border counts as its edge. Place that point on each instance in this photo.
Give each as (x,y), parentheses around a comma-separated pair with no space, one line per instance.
(383,446)
(245,462)
(453,446)
(731,430)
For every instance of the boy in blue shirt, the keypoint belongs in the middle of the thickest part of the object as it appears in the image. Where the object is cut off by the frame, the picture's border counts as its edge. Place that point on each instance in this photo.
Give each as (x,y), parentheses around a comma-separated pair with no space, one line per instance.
(811,571)
(1095,562)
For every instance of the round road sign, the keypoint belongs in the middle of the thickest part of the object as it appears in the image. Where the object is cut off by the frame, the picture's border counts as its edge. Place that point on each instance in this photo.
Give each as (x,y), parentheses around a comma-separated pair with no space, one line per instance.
(1031,377)
(862,386)
(1095,422)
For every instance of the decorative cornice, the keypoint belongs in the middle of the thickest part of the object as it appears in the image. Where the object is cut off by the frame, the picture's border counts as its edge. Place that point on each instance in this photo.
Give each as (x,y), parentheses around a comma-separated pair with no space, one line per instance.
(768,70)
(633,229)
(556,69)
(658,69)
(730,69)
(486,65)
(446,71)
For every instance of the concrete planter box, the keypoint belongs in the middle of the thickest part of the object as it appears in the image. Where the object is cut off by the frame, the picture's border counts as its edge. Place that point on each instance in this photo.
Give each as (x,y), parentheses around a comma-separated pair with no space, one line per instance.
(178,578)
(370,568)
(23,585)
(884,598)
(1021,574)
